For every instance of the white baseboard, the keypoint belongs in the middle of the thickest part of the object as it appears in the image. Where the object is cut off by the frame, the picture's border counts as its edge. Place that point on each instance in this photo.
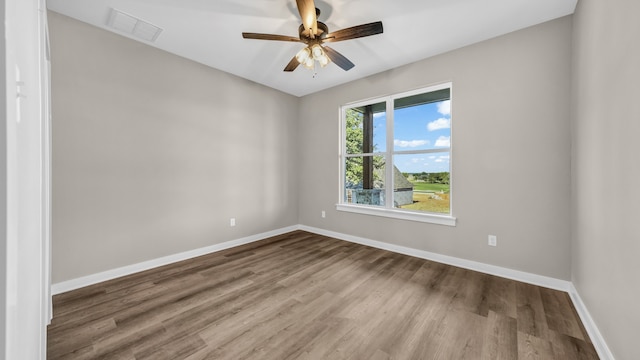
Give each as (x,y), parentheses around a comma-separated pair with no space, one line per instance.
(517,275)
(77,283)
(598,341)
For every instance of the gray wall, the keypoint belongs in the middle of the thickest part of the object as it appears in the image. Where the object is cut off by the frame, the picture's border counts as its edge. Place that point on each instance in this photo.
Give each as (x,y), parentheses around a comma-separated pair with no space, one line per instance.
(511,152)
(3,185)
(606,168)
(153,153)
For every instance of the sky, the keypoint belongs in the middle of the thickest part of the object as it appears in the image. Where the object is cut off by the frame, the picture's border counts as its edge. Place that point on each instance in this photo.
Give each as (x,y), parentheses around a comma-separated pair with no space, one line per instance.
(420,127)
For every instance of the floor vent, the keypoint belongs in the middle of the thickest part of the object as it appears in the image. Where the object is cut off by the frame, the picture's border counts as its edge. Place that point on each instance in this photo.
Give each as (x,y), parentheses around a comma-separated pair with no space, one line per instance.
(133,26)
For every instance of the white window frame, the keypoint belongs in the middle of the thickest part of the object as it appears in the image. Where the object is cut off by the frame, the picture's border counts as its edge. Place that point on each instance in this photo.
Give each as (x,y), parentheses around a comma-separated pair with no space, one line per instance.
(388,210)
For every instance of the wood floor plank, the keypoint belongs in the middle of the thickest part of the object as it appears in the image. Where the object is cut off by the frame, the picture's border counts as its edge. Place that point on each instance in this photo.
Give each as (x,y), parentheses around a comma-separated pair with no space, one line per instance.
(530,311)
(322,345)
(305,296)
(559,313)
(70,320)
(172,349)
(78,337)
(534,348)
(468,330)
(500,297)
(570,348)
(500,337)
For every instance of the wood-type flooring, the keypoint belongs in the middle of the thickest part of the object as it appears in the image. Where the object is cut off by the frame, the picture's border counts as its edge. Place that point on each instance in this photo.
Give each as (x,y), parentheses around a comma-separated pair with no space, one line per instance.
(306,296)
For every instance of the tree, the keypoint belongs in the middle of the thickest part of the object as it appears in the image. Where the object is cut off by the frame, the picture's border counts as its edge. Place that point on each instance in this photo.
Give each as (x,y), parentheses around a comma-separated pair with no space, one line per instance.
(354,134)
(433,178)
(354,138)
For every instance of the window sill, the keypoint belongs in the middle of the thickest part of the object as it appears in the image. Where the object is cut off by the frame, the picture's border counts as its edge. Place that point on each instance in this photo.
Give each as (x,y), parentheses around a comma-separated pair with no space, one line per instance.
(399,214)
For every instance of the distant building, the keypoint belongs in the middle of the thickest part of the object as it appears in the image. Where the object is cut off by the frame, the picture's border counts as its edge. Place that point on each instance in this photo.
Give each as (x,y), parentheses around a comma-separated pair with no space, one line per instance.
(402,189)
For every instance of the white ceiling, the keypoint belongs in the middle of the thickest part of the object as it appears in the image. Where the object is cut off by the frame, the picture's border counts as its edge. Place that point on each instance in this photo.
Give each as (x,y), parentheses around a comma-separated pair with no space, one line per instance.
(209,31)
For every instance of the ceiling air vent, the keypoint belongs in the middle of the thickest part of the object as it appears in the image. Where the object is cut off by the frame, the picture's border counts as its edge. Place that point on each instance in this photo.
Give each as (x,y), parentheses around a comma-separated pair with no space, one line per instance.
(133,26)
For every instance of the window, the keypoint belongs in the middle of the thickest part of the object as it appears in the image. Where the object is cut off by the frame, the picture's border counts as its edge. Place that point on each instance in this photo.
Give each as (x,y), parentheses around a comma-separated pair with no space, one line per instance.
(396,156)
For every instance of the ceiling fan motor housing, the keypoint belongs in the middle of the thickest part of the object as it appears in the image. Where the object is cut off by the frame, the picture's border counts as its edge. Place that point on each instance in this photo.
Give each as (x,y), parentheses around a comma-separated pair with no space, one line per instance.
(323,30)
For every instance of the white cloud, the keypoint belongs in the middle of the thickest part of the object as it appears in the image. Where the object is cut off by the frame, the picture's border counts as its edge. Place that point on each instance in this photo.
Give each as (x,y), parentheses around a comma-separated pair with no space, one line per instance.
(411,143)
(439,160)
(379,114)
(432,157)
(443,141)
(416,160)
(444,107)
(441,123)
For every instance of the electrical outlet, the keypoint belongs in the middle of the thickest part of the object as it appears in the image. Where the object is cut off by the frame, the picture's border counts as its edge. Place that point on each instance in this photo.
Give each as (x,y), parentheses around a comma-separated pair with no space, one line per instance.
(232,222)
(493,240)
(324,215)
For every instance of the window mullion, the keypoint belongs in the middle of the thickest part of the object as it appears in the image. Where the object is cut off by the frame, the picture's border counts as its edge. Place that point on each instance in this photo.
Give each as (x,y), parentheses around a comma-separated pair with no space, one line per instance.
(389,155)
(343,154)
(426,151)
(365,154)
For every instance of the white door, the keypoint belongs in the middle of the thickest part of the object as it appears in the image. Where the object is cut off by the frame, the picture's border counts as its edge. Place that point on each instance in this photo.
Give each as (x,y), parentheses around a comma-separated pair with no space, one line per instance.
(26,300)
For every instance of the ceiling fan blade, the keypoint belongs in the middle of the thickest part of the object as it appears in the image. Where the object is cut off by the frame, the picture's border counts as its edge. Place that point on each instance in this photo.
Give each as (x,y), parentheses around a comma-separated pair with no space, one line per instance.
(355,32)
(338,58)
(269,37)
(292,65)
(307,10)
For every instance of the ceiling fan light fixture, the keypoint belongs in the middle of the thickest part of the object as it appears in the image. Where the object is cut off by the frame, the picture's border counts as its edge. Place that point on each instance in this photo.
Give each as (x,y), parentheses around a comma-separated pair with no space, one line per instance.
(309,63)
(317,52)
(323,60)
(303,55)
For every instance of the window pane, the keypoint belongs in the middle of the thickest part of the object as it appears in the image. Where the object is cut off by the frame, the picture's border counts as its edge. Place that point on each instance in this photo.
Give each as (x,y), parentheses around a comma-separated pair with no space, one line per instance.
(365,129)
(421,182)
(364,180)
(422,121)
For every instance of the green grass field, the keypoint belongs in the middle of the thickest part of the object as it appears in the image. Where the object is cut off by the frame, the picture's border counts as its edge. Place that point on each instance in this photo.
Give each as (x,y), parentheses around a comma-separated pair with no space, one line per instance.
(422,186)
(423,201)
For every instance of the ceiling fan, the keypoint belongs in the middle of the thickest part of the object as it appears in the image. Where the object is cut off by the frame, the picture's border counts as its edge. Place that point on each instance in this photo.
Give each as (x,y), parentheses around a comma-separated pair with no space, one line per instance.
(314,34)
